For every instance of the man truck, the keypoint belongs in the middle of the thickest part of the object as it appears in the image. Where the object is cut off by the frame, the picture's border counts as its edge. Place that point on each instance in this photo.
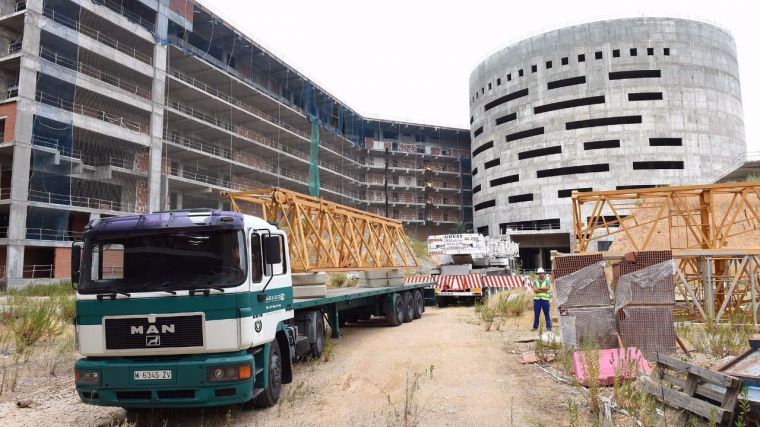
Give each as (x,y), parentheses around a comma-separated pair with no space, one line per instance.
(195,308)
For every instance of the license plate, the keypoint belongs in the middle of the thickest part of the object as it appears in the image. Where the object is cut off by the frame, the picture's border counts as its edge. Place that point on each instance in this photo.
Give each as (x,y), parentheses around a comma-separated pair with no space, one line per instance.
(165,374)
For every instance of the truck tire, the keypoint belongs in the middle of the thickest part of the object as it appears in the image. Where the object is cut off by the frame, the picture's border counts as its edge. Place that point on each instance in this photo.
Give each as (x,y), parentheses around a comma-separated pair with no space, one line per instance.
(318,345)
(419,304)
(442,302)
(408,307)
(395,316)
(271,393)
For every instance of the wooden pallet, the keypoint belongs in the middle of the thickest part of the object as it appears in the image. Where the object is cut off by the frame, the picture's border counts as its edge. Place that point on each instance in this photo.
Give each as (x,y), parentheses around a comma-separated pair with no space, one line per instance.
(709,394)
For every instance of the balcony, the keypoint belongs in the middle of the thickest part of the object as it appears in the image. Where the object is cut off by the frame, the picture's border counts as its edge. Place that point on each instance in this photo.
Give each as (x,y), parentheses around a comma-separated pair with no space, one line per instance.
(50,234)
(79,201)
(85,69)
(131,16)
(92,112)
(97,35)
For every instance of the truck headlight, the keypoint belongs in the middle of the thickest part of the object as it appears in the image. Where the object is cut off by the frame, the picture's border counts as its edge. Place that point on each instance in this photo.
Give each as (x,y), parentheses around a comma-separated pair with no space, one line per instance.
(87,377)
(229,373)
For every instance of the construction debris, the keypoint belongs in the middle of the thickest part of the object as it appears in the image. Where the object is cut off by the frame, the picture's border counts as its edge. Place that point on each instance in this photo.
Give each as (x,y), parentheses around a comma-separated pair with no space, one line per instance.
(620,363)
(588,324)
(693,388)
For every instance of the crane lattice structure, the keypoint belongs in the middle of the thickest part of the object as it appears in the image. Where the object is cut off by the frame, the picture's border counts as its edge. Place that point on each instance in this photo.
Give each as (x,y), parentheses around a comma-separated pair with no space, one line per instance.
(327,236)
(698,223)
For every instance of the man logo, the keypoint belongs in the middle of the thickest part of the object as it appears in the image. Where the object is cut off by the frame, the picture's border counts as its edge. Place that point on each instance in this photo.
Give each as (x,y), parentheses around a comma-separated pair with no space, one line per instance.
(152,341)
(258,326)
(152,329)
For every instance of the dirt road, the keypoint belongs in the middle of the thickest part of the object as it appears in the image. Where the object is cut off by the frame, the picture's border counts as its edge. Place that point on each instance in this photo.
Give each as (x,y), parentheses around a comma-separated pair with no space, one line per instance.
(444,369)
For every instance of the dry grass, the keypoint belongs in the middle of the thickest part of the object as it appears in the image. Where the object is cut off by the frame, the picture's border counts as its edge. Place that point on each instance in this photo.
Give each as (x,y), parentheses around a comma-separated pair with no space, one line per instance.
(341,280)
(503,305)
(717,339)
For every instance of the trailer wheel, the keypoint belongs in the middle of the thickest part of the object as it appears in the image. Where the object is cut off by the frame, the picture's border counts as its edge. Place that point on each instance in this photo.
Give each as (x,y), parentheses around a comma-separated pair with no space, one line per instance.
(271,393)
(442,302)
(319,339)
(419,304)
(395,316)
(408,307)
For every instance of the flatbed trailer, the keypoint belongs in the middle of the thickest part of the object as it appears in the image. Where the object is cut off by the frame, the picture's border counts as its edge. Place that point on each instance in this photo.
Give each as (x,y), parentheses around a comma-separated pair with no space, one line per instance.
(354,303)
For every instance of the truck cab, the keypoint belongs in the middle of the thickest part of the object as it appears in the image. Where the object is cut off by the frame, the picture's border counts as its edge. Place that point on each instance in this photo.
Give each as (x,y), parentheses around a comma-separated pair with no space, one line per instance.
(183,308)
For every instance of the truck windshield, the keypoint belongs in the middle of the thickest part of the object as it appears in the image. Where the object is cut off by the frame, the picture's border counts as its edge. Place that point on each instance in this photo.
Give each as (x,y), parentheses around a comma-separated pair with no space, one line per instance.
(165,260)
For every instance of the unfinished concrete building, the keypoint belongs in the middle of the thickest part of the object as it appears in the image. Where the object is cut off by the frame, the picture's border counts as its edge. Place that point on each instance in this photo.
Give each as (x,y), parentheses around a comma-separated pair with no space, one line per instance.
(118,107)
(608,105)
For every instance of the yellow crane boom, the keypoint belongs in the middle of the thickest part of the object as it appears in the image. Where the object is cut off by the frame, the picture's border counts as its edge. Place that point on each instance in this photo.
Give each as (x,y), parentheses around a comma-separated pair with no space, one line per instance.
(327,236)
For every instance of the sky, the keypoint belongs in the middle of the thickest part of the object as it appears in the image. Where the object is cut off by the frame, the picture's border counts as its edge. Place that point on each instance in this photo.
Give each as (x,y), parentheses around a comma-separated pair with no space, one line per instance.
(411,60)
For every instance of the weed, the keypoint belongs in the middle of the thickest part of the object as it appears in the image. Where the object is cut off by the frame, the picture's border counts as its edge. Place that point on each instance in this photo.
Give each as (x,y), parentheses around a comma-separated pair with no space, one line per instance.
(500,306)
(592,368)
(328,348)
(420,249)
(412,409)
(717,339)
(33,319)
(66,307)
(341,280)
(744,408)
(547,349)
(574,413)
(62,287)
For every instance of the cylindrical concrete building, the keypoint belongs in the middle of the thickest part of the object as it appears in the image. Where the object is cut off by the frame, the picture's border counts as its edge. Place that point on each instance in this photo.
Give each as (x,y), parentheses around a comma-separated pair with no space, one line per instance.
(600,106)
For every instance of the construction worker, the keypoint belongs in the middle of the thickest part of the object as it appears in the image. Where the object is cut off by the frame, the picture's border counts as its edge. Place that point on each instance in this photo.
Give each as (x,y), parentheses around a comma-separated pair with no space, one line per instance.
(542,297)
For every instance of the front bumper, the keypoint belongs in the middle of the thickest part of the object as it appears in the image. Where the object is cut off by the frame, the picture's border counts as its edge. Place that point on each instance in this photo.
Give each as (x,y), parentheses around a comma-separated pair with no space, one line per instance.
(189,386)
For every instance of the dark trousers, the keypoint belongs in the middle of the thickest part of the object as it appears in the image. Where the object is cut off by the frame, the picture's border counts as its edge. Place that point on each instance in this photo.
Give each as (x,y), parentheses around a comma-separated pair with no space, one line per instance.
(538,306)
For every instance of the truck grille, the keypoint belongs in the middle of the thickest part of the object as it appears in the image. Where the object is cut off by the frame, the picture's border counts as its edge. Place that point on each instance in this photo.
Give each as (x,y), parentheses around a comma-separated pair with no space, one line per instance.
(167,331)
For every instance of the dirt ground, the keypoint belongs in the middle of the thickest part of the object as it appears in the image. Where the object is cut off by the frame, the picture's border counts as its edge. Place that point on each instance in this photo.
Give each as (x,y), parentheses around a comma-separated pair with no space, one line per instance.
(444,369)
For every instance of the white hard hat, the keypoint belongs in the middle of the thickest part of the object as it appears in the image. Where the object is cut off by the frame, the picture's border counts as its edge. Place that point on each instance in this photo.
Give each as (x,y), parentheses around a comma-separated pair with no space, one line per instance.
(540,270)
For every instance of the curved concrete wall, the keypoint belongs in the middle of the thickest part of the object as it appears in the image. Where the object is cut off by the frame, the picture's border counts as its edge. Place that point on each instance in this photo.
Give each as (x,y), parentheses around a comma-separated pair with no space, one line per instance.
(600,106)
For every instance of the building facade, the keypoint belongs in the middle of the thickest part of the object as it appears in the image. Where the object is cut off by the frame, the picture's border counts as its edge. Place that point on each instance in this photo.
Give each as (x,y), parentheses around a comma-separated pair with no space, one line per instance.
(603,106)
(118,107)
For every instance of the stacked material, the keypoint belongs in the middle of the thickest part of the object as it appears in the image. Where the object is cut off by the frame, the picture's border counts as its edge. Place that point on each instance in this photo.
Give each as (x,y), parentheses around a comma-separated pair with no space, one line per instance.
(309,285)
(582,293)
(381,278)
(644,300)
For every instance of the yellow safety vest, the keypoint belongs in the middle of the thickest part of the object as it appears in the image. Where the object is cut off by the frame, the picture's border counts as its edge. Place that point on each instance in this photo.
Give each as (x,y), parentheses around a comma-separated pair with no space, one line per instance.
(542,295)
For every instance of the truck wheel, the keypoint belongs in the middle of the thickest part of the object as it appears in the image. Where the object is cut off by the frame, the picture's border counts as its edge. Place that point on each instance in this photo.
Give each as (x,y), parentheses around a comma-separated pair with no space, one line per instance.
(419,304)
(319,340)
(271,393)
(396,315)
(408,307)
(442,302)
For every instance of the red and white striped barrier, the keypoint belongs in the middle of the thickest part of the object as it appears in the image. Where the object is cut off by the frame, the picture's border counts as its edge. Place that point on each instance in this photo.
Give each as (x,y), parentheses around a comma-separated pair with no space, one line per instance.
(472,281)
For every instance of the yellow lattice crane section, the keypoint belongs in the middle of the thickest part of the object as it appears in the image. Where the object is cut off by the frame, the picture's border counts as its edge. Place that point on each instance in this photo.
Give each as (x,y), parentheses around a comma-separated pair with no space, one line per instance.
(327,236)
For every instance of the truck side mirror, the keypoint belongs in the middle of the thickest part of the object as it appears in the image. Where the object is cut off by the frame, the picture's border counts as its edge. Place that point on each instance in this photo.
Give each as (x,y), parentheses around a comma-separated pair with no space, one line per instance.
(272,250)
(76,263)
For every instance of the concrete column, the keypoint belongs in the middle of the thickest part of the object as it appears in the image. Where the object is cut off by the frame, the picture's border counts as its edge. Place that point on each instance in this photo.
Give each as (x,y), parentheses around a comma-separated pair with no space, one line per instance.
(160,58)
(22,149)
(178,200)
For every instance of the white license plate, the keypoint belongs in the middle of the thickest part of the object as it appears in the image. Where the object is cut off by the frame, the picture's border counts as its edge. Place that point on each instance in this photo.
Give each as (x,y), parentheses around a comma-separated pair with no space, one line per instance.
(165,374)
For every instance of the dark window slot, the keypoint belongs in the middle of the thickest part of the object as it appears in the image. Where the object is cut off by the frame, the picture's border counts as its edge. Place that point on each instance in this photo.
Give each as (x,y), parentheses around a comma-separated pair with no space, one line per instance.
(471,119)
(655,164)
(504,119)
(598,55)
(474,171)
(606,219)
(565,61)
(634,51)
(561,194)
(485,205)
(477,132)
(482,148)
(509,77)
(476,189)
(581,57)
(505,180)
(572,81)
(650,51)
(483,230)
(506,98)
(521,198)
(603,121)
(570,103)
(635,187)
(616,53)
(520,73)
(599,145)
(666,51)
(525,134)
(548,64)
(533,68)
(665,142)
(635,74)
(573,170)
(539,152)
(492,163)
(645,96)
